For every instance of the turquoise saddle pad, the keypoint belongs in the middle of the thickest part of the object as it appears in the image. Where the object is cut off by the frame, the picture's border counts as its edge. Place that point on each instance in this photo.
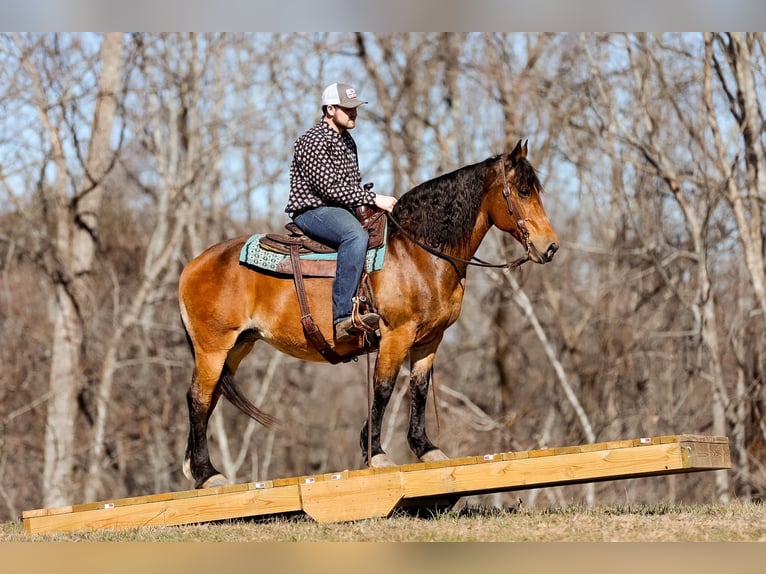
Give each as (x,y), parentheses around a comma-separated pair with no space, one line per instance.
(253,255)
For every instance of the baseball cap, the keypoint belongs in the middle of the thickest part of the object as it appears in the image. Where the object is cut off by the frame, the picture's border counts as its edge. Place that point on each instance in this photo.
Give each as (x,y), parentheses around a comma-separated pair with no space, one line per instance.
(341,95)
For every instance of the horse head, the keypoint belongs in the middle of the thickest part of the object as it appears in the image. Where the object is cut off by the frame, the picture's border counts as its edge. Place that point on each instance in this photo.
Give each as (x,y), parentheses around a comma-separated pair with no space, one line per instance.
(516,205)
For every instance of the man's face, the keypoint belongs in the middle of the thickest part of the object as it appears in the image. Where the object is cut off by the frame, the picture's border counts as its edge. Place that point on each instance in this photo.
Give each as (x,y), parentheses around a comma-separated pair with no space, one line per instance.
(342,118)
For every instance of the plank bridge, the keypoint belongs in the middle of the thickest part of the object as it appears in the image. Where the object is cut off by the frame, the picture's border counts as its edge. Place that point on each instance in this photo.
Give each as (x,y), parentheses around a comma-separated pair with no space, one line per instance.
(369,493)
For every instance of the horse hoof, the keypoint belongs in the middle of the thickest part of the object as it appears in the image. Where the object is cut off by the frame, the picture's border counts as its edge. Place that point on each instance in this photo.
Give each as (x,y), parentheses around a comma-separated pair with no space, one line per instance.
(187,469)
(215,481)
(381,461)
(433,456)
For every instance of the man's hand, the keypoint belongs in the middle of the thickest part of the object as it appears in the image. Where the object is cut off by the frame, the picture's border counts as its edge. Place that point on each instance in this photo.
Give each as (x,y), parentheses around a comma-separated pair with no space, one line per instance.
(385,202)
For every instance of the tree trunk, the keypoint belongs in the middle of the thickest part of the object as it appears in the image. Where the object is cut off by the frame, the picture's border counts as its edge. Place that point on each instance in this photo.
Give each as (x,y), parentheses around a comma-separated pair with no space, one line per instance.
(75,246)
(62,405)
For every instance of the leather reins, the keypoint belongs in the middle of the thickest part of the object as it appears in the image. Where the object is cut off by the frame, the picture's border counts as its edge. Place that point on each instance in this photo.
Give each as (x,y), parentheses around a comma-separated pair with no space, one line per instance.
(475,261)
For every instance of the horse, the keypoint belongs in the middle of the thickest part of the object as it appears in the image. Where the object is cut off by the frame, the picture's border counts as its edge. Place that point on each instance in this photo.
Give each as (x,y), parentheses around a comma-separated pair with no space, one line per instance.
(227,307)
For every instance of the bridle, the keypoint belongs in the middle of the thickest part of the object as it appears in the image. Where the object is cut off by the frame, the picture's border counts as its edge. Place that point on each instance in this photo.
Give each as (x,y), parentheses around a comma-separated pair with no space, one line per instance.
(475,261)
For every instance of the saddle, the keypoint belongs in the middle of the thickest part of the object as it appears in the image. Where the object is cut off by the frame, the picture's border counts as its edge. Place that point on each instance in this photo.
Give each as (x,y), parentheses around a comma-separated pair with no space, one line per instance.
(295,244)
(371,218)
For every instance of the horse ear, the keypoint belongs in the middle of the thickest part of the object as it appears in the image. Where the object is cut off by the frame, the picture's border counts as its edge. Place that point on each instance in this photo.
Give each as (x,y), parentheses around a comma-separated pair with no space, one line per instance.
(518,152)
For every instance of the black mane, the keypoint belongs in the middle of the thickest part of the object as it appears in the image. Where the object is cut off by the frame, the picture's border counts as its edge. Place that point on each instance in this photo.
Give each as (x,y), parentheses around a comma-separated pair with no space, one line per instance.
(442,211)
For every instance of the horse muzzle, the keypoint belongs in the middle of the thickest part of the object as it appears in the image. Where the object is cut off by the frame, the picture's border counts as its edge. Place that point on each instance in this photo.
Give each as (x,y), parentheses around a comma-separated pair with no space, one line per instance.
(543,256)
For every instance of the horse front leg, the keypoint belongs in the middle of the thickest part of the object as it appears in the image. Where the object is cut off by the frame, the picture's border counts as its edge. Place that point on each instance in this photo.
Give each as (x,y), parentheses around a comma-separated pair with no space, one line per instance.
(420,378)
(393,350)
(371,431)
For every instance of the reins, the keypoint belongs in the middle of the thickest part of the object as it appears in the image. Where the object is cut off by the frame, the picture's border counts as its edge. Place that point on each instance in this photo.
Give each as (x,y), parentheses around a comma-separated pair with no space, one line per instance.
(475,261)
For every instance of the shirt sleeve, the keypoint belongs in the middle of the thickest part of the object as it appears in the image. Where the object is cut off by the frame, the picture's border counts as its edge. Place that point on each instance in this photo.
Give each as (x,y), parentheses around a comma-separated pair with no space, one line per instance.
(331,172)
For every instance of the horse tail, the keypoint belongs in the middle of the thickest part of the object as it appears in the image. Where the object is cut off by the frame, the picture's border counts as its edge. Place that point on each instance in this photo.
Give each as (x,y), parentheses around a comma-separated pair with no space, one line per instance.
(234,395)
(188,337)
(229,387)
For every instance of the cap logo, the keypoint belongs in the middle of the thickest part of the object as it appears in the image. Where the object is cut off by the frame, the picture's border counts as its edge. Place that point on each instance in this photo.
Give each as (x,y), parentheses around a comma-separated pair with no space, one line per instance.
(350,93)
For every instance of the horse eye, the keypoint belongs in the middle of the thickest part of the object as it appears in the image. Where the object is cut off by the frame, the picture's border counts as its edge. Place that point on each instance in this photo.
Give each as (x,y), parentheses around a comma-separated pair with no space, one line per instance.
(525,192)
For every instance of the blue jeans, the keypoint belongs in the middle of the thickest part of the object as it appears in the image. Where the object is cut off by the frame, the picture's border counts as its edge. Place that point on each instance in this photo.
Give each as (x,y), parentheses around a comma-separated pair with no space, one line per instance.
(338,227)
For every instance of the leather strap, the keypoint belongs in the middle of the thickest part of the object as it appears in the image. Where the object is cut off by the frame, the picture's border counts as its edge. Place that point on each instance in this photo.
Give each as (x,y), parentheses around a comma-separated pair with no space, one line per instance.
(310,329)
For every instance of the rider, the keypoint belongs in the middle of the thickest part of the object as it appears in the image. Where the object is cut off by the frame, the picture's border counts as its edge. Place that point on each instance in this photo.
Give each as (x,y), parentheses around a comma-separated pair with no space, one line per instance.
(325,188)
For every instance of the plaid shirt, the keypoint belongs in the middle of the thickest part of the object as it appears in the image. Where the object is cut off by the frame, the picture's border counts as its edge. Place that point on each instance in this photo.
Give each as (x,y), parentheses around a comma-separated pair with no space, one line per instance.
(325,171)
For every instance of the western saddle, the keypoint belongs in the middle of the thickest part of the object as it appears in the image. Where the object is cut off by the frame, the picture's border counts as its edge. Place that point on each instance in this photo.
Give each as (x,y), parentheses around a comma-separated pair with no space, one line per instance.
(295,244)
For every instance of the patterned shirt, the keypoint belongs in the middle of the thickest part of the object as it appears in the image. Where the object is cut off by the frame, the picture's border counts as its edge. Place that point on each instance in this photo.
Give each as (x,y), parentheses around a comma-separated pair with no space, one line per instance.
(325,171)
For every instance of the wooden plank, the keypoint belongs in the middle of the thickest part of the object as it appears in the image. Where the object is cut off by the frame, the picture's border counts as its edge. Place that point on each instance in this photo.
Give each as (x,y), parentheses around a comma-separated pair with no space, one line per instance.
(540,453)
(592,447)
(343,499)
(184,510)
(572,468)
(367,493)
(706,454)
(568,450)
(515,455)
(615,444)
(646,441)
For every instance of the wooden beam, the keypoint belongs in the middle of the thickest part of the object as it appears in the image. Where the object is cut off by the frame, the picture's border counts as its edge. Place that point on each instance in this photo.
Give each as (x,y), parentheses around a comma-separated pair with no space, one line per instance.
(352,498)
(368,493)
(552,468)
(186,507)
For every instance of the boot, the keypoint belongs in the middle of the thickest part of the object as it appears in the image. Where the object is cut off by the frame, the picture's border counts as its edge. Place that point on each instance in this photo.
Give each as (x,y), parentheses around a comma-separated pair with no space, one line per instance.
(346,330)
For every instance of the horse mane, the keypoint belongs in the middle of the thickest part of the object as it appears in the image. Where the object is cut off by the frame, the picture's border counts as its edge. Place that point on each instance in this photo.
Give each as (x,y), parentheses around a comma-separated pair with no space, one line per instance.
(442,211)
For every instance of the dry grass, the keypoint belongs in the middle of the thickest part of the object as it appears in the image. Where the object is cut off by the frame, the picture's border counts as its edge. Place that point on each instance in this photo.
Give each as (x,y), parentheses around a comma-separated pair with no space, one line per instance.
(705,523)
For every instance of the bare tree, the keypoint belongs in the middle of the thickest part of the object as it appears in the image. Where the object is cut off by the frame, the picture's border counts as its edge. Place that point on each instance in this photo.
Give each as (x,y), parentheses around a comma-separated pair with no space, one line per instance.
(672,97)
(184,169)
(732,62)
(76,214)
(420,109)
(649,322)
(742,169)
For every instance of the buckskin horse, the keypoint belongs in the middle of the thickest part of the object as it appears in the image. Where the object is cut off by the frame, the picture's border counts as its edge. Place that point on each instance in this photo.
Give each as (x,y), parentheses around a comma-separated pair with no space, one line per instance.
(227,307)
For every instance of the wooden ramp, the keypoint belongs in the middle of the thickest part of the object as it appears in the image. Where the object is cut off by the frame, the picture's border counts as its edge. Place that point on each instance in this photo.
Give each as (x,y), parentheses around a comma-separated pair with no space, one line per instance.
(369,493)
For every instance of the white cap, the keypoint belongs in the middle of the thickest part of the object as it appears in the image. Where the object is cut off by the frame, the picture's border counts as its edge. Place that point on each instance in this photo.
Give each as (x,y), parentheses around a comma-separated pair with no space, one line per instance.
(341,95)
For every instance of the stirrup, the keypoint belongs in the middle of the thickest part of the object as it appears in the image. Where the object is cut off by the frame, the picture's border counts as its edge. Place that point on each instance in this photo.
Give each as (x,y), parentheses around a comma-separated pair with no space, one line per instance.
(358,318)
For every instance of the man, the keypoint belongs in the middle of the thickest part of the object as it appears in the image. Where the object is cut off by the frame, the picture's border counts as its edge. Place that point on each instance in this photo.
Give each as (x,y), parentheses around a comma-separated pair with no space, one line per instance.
(325,188)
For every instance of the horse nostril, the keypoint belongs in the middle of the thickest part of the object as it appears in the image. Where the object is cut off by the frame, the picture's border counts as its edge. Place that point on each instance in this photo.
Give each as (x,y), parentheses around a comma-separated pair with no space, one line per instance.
(552,248)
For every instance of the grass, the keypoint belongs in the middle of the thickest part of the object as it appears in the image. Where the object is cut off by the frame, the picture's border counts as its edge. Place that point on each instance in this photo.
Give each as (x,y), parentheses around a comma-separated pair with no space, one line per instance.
(649,523)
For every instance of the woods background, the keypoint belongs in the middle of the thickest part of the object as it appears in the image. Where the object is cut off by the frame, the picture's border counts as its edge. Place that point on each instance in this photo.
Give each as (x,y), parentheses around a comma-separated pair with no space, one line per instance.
(124,156)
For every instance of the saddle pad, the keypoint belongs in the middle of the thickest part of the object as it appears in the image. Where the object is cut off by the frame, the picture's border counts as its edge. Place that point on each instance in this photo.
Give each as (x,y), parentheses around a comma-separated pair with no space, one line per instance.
(253,255)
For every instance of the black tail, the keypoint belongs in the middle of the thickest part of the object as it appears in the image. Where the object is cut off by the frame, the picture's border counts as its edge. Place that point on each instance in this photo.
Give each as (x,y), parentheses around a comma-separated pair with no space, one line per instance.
(234,395)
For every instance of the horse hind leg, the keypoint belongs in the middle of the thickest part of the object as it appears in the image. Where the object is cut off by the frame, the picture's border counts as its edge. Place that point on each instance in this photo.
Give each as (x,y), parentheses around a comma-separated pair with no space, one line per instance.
(202,402)
(201,398)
